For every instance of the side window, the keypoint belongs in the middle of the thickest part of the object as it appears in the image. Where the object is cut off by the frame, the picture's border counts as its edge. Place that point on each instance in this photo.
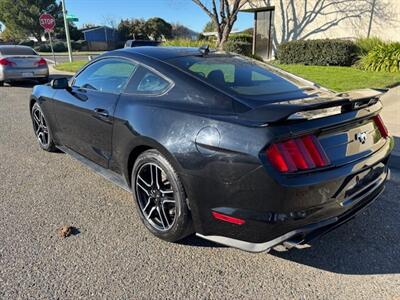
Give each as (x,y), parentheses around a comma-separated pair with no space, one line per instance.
(147,82)
(107,75)
(216,73)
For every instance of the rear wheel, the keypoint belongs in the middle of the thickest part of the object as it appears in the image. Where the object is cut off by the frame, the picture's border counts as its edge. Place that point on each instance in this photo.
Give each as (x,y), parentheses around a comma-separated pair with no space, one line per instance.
(41,129)
(160,197)
(1,83)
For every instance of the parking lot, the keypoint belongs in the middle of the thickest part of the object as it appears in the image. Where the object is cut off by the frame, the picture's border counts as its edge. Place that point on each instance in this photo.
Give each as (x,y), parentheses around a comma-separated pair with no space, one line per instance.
(113,255)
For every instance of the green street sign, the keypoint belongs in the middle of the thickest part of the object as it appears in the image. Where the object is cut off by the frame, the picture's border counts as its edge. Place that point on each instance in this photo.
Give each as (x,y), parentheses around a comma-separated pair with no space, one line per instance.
(72,18)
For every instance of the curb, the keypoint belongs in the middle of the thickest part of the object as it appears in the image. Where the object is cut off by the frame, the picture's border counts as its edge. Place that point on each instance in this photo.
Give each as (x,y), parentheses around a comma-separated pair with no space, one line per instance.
(53,71)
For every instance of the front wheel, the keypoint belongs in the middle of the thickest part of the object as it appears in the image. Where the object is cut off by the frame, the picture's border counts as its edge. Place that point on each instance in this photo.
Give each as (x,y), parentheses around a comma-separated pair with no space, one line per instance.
(160,197)
(41,129)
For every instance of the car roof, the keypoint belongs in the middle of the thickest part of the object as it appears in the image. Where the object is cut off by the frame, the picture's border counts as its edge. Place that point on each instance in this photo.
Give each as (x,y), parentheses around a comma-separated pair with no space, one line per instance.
(162,53)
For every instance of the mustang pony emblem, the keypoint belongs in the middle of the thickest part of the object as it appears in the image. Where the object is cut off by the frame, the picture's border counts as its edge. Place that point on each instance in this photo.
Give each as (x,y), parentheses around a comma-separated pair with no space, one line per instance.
(361,137)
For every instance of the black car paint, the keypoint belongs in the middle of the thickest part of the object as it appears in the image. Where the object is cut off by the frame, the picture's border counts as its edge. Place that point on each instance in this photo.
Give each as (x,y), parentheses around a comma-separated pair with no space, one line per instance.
(228,173)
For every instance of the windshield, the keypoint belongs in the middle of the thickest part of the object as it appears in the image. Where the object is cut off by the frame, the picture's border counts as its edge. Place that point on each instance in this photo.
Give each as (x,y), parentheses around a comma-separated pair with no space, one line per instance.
(242,77)
(17,51)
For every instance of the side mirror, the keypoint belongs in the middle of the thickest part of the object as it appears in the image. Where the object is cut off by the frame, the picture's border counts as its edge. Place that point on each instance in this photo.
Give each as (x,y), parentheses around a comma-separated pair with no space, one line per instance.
(60,84)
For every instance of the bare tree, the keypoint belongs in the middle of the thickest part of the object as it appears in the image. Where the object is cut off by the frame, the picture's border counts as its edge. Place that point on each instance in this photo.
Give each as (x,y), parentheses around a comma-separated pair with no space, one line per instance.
(298,19)
(110,21)
(223,14)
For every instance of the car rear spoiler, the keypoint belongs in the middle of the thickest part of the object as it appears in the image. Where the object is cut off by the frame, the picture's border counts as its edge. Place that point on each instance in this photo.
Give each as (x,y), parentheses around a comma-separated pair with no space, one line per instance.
(313,107)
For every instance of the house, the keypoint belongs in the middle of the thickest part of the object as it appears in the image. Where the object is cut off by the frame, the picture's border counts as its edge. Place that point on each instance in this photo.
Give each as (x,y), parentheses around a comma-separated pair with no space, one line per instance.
(278,21)
(101,38)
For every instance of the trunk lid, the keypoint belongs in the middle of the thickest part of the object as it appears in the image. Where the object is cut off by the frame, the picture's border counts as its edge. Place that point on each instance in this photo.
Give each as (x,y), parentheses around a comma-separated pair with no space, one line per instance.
(24,62)
(351,141)
(347,126)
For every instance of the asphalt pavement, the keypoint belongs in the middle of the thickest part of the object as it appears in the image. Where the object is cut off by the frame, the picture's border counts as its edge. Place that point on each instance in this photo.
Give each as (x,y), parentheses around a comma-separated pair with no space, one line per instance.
(112,256)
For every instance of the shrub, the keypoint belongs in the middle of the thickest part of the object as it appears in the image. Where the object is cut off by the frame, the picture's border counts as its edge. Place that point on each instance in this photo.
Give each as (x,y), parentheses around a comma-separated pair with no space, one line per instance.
(238,47)
(318,52)
(385,57)
(27,43)
(365,45)
(79,45)
(43,48)
(240,37)
(187,43)
(60,47)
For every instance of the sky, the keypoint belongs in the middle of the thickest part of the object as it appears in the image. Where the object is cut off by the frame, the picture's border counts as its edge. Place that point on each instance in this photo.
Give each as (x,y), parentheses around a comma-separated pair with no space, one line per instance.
(183,11)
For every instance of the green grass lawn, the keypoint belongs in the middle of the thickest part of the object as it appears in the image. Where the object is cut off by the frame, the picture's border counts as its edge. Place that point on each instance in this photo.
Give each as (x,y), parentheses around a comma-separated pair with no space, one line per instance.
(71,67)
(343,78)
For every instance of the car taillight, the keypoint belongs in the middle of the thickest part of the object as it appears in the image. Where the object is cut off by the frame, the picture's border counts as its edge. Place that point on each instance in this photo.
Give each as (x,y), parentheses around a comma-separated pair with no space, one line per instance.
(303,153)
(6,62)
(41,62)
(381,126)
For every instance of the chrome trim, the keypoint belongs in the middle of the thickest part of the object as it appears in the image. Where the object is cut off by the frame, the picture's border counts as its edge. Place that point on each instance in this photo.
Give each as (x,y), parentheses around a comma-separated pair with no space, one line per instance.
(247,246)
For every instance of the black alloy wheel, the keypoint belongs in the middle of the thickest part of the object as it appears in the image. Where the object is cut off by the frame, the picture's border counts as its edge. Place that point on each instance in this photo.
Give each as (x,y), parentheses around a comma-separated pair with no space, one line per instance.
(160,197)
(41,129)
(155,196)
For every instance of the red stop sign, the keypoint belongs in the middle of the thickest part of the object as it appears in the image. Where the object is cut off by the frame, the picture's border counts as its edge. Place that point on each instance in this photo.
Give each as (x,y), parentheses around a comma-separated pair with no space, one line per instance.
(47,22)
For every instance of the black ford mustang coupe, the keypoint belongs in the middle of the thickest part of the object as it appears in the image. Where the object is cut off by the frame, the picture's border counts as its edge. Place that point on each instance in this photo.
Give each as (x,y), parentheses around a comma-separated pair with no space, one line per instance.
(239,152)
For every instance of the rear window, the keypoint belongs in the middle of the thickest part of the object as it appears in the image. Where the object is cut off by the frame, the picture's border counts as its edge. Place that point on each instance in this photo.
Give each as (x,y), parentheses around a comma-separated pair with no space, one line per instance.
(241,76)
(17,51)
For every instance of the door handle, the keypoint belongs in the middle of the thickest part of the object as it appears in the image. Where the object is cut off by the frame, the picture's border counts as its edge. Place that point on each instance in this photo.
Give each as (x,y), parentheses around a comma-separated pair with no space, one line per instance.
(101,112)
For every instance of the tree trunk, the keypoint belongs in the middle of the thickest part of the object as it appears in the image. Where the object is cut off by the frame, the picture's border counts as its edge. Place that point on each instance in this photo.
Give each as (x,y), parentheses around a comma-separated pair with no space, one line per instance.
(38,36)
(224,36)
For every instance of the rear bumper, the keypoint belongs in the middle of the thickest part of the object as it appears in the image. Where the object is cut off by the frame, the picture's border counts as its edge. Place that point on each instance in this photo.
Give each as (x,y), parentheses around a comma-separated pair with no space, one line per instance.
(275,211)
(23,74)
(309,232)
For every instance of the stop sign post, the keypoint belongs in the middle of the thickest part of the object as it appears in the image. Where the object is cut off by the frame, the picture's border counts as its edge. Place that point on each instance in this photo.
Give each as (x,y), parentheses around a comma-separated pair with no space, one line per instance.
(48,23)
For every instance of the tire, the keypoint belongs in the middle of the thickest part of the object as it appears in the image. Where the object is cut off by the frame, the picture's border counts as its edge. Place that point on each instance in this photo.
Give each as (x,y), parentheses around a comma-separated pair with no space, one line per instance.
(1,83)
(170,221)
(42,130)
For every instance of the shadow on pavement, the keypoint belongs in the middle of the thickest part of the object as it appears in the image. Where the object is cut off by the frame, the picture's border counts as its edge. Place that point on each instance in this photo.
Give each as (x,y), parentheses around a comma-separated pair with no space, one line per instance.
(366,245)
(369,244)
(195,241)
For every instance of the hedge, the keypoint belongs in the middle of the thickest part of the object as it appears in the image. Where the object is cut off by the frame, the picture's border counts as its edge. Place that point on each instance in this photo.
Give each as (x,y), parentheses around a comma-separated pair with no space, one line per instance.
(60,46)
(322,52)
(240,37)
(238,47)
(236,44)
(28,43)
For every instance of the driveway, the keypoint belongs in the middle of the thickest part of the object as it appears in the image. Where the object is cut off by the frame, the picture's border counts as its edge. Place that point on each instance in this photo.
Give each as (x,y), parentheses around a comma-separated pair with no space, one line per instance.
(114,257)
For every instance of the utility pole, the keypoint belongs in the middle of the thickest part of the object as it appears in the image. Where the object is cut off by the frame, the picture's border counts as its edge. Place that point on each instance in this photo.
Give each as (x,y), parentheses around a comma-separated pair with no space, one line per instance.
(371,18)
(67,30)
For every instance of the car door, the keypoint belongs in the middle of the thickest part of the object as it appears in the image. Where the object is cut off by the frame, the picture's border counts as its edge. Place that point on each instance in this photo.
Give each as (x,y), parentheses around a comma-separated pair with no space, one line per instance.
(85,112)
